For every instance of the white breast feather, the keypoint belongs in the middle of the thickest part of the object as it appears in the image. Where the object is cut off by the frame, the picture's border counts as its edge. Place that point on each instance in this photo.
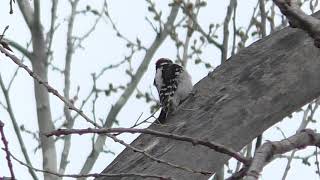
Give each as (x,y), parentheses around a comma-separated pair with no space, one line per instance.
(183,89)
(158,79)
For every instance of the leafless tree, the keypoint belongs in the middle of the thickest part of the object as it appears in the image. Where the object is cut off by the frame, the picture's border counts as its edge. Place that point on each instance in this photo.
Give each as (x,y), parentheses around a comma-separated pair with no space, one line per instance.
(247,94)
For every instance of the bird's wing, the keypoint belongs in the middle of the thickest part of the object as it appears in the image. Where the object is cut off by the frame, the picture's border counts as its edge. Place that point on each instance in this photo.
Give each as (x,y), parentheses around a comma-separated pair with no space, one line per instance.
(170,73)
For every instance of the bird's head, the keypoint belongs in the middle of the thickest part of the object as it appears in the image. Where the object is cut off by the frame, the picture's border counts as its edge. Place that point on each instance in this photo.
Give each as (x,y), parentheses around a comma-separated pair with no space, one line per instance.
(162,61)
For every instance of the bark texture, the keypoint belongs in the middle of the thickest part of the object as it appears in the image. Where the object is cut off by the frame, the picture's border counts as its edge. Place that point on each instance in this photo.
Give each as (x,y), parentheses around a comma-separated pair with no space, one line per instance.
(236,102)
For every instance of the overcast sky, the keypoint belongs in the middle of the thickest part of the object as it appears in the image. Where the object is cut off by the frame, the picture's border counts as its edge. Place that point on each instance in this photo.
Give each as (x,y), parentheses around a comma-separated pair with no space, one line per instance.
(103,48)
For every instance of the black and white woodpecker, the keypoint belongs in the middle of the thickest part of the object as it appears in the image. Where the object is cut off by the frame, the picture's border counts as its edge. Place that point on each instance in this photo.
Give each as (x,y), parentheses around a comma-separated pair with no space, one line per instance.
(173,83)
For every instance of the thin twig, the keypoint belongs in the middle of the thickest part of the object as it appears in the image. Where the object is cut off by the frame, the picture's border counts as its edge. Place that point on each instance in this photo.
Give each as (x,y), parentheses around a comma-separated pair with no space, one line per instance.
(16,127)
(131,87)
(212,145)
(305,120)
(6,149)
(47,86)
(95,175)
(199,28)
(17,70)
(317,162)
(11,9)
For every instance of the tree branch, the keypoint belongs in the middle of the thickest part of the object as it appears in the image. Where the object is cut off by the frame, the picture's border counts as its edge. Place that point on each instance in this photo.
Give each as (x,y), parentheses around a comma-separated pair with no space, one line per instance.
(6,149)
(40,68)
(20,48)
(52,26)
(233,105)
(49,88)
(269,149)
(212,145)
(37,13)
(16,128)
(263,15)
(120,175)
(130,88)
(66,90)
(305,121)
(27,12)
(199,28)
(298,19)
(225,43)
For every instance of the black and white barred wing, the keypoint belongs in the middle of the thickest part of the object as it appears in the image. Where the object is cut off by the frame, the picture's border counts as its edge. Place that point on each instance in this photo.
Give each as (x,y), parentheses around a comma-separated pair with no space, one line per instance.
(167,79)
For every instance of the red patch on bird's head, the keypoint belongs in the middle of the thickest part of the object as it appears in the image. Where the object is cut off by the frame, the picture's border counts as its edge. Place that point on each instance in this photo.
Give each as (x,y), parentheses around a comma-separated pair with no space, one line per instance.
(163,61)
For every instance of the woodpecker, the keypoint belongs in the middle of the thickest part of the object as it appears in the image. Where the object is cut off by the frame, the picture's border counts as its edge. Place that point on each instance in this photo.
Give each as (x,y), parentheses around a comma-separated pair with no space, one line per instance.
(173,83)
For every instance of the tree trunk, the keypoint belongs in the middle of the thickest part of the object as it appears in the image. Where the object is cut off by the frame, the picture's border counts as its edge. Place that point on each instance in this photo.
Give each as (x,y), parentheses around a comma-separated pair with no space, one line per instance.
(45,123)
(246,95)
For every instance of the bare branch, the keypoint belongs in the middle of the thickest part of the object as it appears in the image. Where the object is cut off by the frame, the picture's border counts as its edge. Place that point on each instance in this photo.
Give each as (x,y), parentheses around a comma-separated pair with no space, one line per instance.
(233,50)
(95,175)
(66,90)
(191,26)
(298,19)
(250,114)
(52,25)
(20,48)
(190,30)
(199,28)
(131,87)
(27,12)
(92,28)
(37,14)
(269,149)
(16,128)
(263,16)
(305,121)
(46,85)
(11,9)
(317,162)
(212,145)
(6,149)
(17,69)
(225,47)
(118,33)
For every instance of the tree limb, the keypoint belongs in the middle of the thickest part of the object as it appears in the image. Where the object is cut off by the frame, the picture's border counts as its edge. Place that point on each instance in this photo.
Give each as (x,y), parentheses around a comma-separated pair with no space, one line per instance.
(37,13)
(6,149)
(20,48)
(130,88)
(139,175)
(16,128)
(40,68)
(49,88)
(233,104)
(298,19)
(67,84)
(212,145)
(27,12)
(269,149)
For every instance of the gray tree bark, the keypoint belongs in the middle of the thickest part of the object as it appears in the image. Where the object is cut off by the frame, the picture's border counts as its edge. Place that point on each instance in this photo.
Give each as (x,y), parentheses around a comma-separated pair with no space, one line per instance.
(236,102)
(39,60)
(43,104)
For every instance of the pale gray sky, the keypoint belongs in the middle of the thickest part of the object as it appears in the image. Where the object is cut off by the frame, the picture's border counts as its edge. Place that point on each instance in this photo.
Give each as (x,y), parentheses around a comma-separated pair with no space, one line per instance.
(101,49)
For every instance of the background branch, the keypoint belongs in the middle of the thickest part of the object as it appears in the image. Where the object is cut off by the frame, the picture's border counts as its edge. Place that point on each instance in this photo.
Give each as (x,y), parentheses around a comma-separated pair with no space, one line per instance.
(115,109)
(16,128)
(49,88)
(236,106)
(269,149)
(6,150)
